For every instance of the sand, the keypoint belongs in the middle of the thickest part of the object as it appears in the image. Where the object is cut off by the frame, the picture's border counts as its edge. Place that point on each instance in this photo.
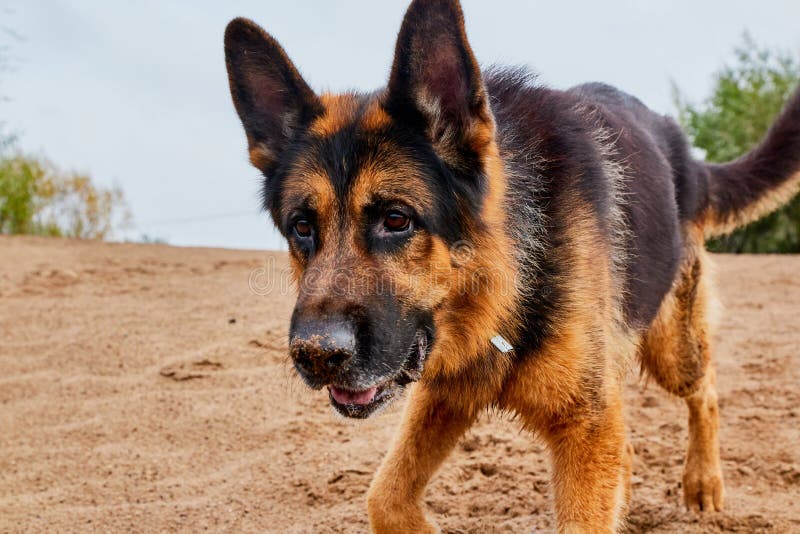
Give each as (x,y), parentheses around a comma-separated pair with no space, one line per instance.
(146,388)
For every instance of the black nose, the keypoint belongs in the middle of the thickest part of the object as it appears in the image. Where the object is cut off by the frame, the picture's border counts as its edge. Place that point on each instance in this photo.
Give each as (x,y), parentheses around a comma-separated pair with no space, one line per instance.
(321,347)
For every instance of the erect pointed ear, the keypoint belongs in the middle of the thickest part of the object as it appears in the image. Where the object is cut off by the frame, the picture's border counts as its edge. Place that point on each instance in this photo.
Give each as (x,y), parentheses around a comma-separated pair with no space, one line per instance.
(272,99)
(435,80)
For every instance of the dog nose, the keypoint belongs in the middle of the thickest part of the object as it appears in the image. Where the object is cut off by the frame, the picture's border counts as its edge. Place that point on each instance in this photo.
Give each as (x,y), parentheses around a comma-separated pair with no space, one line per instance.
(322,347)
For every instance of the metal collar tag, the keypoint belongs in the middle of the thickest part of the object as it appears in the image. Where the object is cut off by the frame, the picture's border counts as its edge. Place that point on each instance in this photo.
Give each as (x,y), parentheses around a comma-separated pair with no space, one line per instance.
(501,344)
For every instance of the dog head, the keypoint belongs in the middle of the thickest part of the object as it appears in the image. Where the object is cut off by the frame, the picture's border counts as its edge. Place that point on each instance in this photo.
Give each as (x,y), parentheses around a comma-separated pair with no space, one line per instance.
(375,195)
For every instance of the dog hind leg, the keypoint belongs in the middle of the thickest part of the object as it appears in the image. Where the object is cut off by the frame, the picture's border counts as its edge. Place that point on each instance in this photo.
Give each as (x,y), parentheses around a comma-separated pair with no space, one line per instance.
(676,352)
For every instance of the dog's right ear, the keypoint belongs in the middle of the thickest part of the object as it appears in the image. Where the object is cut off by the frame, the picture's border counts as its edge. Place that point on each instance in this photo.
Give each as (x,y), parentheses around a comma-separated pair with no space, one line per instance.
(272,99)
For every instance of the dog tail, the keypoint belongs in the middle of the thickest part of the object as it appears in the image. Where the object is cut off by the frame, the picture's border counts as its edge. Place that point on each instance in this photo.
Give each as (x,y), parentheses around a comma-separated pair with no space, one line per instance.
(759,182)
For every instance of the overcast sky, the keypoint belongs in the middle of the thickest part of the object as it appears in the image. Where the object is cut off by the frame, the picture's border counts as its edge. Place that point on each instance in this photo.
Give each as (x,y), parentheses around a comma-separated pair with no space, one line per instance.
(135,93)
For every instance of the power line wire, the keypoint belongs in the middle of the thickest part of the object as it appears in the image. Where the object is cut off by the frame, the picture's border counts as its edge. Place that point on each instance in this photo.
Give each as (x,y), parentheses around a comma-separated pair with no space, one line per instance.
(197,218)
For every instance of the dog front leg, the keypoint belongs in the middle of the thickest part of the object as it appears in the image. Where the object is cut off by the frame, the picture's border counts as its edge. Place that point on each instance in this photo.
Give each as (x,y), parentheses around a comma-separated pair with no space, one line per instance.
(429,431)
(591,471)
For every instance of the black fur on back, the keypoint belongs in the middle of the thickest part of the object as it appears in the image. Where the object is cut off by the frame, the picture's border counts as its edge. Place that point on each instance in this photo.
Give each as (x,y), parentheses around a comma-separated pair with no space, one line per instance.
(549,139)
(560,142)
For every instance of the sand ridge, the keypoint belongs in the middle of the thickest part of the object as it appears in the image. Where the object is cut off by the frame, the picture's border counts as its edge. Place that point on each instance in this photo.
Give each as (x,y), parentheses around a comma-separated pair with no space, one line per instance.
(146,388)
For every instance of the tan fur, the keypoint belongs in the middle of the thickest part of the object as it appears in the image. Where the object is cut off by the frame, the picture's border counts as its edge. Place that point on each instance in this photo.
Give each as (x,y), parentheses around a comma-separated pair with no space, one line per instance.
(676,352)
(260,155)
(314,187)
(375,117)
(469,319)
(716,225)
(339,110)
(569,391)
(431,427)
(571,394)
(397,179)
(472,294)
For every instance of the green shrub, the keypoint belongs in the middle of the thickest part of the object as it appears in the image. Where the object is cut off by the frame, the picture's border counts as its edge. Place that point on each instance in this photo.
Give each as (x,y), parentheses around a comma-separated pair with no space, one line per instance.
(38,198)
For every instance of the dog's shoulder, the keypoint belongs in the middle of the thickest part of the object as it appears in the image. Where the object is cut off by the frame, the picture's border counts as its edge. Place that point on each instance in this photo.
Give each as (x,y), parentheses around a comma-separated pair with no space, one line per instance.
(596,149)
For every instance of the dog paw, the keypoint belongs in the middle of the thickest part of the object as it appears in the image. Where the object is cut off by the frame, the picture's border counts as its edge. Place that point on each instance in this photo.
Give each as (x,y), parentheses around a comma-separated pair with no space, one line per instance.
(703,489)
(412,523)
(386,517)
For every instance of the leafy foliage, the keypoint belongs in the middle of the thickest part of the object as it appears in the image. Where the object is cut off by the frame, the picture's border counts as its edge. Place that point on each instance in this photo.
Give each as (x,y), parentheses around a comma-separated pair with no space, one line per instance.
(17,193)
(38,198)
(746,99)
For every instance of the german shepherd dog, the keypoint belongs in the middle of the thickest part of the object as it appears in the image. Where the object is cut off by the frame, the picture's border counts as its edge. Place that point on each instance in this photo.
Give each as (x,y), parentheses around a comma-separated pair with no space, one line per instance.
(499,245)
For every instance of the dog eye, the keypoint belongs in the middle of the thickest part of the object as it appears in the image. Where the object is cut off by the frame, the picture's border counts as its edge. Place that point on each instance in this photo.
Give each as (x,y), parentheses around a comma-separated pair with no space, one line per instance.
(302,228)
(396,221)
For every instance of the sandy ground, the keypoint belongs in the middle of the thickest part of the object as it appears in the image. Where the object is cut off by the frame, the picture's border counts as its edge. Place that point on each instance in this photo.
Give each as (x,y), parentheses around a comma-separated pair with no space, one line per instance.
(145,388)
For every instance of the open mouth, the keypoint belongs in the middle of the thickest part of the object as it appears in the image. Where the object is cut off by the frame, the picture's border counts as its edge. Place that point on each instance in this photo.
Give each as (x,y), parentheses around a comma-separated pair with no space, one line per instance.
(361,403)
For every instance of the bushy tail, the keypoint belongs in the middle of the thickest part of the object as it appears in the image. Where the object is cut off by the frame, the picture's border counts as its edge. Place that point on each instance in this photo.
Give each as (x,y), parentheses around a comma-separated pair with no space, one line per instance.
(759,182)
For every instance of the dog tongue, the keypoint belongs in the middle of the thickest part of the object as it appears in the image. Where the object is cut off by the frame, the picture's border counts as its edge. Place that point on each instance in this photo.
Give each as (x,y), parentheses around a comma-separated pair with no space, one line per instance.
(342,396)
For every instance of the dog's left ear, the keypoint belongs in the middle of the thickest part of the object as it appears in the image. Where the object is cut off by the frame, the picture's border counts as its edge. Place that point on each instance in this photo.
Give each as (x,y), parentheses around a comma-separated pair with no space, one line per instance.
(436,83)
